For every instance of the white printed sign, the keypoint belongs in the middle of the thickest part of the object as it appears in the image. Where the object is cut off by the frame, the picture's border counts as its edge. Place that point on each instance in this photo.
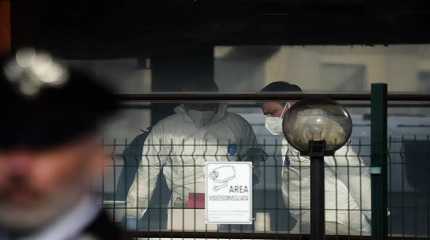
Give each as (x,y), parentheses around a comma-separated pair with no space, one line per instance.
(229,193)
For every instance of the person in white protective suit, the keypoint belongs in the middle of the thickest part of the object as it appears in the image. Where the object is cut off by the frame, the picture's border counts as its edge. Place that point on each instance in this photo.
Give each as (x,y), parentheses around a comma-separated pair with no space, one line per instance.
(180,145)
(347,179)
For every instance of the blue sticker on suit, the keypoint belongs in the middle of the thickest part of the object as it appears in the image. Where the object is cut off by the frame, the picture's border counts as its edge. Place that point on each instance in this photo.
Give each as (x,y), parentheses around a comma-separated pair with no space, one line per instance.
(286,161)
(232,149)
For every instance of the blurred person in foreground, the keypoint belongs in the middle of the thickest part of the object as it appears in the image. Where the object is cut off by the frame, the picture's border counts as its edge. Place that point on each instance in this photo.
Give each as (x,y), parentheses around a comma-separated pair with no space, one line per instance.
(179,145)
(347,179)
(50,154)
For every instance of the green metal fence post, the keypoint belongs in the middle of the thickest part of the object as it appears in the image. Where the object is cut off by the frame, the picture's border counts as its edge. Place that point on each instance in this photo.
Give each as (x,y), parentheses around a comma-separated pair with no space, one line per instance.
(379,160)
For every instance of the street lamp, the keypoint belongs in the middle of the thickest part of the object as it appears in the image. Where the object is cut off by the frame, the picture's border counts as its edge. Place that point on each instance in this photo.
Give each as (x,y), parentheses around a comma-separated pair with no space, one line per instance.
(317,128)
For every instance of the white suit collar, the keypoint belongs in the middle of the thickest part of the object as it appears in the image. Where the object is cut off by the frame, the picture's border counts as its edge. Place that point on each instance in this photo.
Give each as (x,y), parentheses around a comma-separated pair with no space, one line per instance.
(68,226)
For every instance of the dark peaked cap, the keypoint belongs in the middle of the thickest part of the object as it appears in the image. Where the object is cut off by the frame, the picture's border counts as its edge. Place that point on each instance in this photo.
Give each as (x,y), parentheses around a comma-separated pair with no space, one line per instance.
(45,104)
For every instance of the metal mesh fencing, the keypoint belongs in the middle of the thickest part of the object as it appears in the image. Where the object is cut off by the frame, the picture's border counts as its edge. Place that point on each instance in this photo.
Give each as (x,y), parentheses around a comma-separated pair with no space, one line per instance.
(157,186)
(408,188)
(155,190)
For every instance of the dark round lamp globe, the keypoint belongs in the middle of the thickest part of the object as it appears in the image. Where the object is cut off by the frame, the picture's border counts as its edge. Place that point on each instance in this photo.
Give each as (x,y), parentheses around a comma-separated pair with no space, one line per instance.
(317,120)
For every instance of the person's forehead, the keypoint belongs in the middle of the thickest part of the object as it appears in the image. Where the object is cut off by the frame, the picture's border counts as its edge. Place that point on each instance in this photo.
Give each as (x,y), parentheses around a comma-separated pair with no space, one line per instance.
(271,106)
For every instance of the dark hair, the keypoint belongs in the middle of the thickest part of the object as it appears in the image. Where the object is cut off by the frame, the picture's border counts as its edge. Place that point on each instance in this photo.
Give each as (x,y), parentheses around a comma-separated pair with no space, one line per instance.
(281,87)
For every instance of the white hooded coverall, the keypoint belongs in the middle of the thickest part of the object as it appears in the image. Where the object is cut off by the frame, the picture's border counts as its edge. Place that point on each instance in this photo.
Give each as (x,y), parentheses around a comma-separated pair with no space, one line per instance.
(347,191)
(180,148)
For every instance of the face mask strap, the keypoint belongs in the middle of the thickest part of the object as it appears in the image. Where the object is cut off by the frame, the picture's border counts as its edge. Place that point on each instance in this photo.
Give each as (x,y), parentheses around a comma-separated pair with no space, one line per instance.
(286,106)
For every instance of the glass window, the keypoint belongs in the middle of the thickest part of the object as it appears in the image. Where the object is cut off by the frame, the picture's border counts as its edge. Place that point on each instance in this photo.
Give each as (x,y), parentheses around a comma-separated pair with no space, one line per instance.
(424,81)
(343,77)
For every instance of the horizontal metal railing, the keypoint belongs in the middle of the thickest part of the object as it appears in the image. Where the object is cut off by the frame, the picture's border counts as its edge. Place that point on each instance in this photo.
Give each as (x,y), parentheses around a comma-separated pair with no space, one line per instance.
(256,96)
(219,235)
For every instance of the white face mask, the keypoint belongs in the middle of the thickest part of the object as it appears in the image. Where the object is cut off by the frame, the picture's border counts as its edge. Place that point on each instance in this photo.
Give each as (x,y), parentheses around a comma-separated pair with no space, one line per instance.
(274,124)
(201,118)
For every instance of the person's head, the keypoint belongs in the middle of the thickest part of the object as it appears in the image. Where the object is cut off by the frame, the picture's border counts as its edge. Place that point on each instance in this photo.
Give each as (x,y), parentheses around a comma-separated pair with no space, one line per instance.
(201,112)
(274,110)
(50,153)
(277,108)
(39,185)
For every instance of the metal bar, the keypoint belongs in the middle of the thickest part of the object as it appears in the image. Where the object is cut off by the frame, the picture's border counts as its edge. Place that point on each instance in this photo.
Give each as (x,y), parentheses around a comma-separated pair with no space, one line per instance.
(317,190)
(234,235)
(317,198)
(379,160)
(390,178)
(146,106)
(217,235)
(256,96)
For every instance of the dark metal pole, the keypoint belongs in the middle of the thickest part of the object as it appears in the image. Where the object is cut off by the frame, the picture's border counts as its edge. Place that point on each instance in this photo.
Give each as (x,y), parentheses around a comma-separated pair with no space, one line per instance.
(379,160)
(317,150)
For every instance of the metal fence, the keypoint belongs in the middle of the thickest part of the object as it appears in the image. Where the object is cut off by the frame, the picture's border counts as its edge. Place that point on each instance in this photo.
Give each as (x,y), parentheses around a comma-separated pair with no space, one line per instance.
(166,180)
(408,189)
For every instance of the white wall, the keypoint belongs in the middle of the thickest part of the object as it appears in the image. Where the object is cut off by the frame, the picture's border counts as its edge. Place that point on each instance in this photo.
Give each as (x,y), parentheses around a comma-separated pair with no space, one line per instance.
(396,65)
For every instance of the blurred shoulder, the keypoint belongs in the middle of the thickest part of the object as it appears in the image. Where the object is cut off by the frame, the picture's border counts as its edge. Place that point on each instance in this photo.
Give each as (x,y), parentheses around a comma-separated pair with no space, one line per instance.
(171,121)
(238,123)
(234,117)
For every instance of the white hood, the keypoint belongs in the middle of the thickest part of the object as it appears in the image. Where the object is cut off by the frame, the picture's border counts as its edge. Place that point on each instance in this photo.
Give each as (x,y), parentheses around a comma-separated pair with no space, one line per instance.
(220,114)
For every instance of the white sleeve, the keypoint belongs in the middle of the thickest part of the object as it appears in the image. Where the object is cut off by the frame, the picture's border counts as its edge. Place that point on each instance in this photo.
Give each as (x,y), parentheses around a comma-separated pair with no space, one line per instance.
(243,133)
(352,171)
(248,139)
(249,148)
(153,159)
